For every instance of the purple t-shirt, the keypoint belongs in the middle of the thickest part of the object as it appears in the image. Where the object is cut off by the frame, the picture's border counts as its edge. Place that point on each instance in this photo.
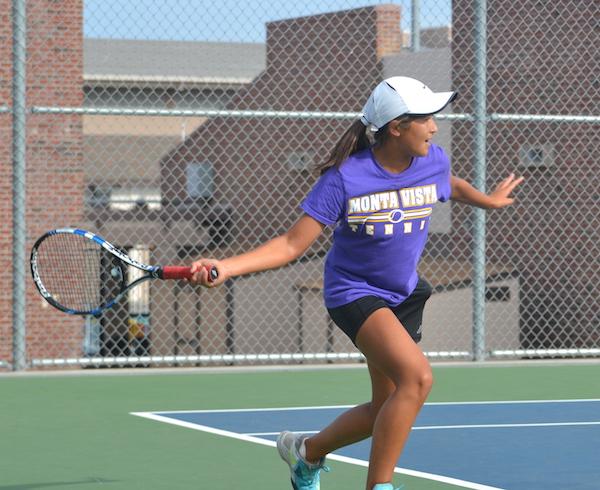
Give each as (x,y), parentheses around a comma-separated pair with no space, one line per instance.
(382,223)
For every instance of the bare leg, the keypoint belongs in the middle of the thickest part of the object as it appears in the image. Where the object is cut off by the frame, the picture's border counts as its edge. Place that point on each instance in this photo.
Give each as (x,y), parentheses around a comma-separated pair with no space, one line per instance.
(389,348)
(401,380)
(353,425)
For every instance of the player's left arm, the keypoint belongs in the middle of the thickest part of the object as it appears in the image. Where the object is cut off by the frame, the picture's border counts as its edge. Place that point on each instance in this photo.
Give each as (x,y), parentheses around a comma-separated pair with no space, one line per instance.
(464,192)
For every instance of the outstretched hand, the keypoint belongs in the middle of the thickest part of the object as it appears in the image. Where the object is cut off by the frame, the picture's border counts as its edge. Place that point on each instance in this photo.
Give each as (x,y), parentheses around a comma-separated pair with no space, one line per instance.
(500,196)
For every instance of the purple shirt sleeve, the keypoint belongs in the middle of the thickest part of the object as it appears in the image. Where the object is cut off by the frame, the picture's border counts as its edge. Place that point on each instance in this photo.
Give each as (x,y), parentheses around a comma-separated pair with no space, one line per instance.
(326,201)
(445,189)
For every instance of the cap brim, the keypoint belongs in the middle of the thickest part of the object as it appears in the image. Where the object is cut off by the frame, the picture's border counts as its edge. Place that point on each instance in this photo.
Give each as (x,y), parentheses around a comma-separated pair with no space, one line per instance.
(433,104)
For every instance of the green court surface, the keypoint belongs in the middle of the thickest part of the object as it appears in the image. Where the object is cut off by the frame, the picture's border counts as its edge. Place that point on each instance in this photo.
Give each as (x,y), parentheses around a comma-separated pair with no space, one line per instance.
(75,431)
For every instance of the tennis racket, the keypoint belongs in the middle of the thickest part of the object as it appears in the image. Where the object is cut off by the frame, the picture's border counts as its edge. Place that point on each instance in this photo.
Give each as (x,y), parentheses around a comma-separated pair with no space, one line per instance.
(80,273)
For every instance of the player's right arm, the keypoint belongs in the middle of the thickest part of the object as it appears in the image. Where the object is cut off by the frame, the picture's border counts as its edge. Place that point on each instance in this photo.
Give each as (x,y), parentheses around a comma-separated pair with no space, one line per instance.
(273,254)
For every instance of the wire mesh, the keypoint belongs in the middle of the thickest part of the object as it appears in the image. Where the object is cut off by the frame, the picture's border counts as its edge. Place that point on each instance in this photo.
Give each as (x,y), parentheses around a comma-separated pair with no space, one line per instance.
(190,131)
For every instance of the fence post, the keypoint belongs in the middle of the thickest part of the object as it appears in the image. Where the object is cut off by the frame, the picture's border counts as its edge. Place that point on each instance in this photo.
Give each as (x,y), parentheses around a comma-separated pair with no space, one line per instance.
(415,43)
(19,23)
(479,152)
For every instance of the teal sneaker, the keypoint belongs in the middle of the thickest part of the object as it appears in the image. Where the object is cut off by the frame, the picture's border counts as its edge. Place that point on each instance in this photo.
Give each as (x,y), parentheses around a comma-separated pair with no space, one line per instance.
(304,475)
(386,486)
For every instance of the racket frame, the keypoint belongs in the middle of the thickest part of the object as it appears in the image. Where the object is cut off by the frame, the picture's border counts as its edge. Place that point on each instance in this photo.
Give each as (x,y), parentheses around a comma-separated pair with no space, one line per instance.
(153,271)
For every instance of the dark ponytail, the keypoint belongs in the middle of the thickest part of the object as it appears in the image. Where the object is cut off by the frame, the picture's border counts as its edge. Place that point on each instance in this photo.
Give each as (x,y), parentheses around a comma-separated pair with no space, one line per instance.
(354,139)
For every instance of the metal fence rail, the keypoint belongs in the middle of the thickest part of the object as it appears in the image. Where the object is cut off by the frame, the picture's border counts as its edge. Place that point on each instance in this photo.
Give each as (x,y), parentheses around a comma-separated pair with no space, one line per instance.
(117,111)
(224,359)
(198,140)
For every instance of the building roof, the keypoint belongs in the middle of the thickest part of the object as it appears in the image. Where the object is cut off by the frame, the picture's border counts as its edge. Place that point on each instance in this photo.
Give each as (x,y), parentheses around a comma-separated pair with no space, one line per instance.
(172,61)
(432,66)
(127,60)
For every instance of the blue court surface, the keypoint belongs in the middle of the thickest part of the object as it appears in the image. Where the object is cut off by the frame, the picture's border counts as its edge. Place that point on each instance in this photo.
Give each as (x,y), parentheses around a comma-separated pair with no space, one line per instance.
(516,445)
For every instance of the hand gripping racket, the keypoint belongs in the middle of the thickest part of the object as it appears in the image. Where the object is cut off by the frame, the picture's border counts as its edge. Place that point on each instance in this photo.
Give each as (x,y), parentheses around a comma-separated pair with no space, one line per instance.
(80,273)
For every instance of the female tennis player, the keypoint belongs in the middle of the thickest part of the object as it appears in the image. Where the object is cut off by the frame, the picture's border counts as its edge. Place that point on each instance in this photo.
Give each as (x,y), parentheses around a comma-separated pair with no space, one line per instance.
(377,188)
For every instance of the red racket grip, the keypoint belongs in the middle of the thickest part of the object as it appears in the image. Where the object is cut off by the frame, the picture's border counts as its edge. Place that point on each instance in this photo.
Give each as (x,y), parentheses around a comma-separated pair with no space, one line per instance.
(177,272)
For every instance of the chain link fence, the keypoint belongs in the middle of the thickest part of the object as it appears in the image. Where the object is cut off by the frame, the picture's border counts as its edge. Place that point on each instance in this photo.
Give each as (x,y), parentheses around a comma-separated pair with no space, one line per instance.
(187,131)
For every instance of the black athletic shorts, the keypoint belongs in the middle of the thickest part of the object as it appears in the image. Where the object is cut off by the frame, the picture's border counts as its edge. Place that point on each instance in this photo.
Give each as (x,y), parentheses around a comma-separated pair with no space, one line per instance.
(351,316)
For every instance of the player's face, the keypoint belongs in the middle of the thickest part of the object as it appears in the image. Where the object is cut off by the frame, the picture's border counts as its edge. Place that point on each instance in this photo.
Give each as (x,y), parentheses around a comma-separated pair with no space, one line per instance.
(416,138)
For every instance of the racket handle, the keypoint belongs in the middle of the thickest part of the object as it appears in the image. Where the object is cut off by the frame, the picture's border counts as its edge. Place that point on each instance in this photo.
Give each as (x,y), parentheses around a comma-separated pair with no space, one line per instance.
(177,272)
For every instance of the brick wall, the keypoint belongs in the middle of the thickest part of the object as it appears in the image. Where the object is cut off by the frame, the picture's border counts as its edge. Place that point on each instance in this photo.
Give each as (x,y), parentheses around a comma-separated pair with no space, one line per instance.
(326,62)
(5,183)
(54,161)
(539,62)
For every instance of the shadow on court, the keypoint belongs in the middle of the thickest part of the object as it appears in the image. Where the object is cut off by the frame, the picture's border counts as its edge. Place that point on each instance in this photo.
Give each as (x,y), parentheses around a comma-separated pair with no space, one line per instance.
(60,484)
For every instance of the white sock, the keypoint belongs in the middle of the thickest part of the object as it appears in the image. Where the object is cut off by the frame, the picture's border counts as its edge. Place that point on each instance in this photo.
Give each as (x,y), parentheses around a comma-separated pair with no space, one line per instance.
(302,449)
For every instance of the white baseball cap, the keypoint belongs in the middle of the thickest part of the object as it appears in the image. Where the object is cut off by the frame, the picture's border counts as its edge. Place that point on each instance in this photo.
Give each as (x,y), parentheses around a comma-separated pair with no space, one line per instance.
(397,96)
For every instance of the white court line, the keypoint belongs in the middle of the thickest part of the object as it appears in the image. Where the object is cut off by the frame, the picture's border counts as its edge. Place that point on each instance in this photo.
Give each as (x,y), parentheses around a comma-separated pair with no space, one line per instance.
(445,427)
(504,426)
(518,402)
(253,437)
(334,457)
(279,409)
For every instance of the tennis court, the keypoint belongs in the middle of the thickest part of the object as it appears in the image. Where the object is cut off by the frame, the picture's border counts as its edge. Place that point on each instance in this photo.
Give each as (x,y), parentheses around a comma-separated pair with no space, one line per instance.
(77,430)
(186,130)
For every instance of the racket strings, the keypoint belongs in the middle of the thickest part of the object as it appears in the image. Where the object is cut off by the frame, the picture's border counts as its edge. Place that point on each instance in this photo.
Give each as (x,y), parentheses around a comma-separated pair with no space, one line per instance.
(74,271)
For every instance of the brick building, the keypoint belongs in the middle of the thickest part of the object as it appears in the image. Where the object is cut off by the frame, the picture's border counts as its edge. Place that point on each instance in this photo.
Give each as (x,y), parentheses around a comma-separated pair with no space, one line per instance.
(55,177)
(5,184)
(122,155)
(262,170)
(99,171)
(319,63)
(540,57)
(327,62)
